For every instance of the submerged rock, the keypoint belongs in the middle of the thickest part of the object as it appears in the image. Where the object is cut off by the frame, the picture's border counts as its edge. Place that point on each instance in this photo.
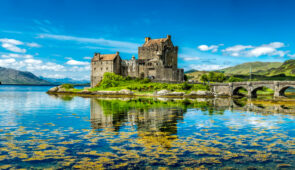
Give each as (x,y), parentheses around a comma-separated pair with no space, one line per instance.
(162,92)
(176,94)
(126,92)
(199,93)
(204,93)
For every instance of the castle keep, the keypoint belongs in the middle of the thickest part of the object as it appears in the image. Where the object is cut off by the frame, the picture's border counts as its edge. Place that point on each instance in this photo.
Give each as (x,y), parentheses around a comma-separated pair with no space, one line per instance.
(157,60)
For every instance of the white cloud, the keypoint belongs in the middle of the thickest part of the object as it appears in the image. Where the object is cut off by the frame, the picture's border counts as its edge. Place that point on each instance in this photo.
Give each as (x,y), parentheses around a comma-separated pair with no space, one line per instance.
(237,48)
(46,66)
(32,61)
(208,67)
(212,48)
(127,47)
(291,55)
(11,41)
(75,62)
(5,62)
(33,45)
(13,48)
(56,76)
(80,69)
(188,57)
(13,45)
(87,58)
(12,55)
(270,49)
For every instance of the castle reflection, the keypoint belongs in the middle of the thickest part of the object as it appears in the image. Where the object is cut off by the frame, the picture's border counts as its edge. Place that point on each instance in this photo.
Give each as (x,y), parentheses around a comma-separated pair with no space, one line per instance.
(156,124)
(146,114)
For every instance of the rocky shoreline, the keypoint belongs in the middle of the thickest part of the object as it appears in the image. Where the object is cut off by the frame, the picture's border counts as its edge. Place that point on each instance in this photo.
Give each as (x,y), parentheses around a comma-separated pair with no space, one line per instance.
(129,93)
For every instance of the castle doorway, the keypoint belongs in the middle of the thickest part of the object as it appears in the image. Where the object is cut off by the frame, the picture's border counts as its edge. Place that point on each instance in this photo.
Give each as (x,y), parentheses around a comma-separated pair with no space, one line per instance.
(142,75)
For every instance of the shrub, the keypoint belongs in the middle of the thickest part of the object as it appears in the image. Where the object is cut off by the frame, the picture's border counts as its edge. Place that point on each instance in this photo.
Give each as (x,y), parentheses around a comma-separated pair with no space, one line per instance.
(146,80)
(67,86)
(110,80)
(234,79)
(185,86)
(213,77)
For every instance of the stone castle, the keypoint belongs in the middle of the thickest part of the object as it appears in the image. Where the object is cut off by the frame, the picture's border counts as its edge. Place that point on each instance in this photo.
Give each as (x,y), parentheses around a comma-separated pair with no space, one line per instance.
(157,60)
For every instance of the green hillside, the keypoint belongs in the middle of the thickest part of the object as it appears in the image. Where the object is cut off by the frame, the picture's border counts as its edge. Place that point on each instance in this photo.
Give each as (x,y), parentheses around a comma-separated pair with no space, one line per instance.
(196,75)
(11,76)
(287,69)
(260,68)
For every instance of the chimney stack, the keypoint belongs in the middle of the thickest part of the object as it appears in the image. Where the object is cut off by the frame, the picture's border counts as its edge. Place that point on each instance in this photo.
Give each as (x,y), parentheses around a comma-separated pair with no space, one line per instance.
(147,39)
(117,53)
(168,37)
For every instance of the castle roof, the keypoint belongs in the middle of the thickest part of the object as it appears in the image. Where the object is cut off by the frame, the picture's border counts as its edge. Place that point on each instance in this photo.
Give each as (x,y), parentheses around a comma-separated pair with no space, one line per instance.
(105,57)
(154,41)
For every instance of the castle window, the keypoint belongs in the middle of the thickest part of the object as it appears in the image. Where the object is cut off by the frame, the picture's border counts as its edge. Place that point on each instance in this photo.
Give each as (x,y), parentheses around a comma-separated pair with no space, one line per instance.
(106,68)
(101,68)
(94,68)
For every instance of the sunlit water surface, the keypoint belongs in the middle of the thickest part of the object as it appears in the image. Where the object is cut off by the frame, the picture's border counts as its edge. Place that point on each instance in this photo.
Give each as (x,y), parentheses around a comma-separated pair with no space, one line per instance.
(63,132)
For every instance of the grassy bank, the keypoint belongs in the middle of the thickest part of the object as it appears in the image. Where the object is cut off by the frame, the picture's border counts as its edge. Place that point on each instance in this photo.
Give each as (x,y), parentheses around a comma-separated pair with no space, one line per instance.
(113,82)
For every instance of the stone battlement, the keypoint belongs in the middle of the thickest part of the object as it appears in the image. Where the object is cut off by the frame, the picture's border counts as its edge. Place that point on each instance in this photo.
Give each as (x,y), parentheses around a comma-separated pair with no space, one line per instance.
(157,60)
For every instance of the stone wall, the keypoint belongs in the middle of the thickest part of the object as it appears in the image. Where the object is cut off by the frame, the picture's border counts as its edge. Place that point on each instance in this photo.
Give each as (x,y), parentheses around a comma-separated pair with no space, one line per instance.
(98,68)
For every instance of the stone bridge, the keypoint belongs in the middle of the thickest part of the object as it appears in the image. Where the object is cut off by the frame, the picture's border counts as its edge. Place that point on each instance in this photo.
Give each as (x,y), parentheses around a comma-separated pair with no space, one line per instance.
(232,89)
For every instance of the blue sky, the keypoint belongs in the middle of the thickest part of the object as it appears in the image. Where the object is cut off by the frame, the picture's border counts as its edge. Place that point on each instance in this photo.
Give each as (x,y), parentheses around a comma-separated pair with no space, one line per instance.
(57,38)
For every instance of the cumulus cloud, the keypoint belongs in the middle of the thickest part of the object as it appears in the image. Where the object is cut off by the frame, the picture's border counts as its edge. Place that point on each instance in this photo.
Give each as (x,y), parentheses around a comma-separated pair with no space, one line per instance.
(87,58)
(270,49)
(291,55)
(113,45)
(13,45)
(208,67)
(5,62)
(13,48)
(56,76)
(33,45)
(12,55)
(31,65)
(78,63)
(212,48)
(32,61)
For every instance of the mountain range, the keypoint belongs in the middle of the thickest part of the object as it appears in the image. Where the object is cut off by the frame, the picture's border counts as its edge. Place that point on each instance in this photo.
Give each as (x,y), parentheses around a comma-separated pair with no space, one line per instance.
(260,70)
(64,80)
(12,76)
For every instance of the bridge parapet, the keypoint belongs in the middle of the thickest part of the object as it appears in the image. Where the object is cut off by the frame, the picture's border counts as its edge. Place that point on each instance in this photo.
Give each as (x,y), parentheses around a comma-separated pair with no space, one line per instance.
(231,89)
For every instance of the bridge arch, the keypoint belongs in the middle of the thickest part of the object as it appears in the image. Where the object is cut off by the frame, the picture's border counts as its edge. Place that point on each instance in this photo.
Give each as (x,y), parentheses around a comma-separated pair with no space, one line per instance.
(255,89)
(237,89)
(283,89)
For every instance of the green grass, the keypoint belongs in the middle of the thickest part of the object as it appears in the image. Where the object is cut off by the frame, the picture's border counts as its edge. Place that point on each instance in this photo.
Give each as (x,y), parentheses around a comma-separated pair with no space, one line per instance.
(112,82)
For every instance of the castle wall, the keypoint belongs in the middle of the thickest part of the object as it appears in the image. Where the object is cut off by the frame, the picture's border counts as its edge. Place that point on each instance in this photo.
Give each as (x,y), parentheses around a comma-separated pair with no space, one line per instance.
(101,67)
(130,68)
(157,59)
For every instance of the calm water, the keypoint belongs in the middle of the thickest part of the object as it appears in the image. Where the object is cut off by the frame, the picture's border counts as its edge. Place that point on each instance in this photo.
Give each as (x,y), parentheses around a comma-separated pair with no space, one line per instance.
(63,132)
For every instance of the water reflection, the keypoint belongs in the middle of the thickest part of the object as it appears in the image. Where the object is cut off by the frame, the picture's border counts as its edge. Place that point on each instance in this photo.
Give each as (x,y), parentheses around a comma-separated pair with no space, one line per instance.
(68,132)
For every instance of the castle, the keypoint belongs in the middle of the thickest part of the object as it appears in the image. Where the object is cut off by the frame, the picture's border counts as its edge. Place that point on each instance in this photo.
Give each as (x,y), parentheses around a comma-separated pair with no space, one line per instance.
(157,60)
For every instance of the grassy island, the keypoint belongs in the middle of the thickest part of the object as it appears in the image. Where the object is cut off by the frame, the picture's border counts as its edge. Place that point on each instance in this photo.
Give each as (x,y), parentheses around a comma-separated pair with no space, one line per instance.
(116,83)
(113,82)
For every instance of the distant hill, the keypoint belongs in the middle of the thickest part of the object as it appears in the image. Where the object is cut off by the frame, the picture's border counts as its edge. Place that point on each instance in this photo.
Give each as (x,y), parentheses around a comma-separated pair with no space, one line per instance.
(196,75)
(12,76)
(190,71)
(287,69)
(65,80)
(260,68)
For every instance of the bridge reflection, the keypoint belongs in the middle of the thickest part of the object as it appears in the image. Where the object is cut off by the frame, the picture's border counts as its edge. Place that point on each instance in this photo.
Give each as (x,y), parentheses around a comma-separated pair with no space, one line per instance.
(154,115)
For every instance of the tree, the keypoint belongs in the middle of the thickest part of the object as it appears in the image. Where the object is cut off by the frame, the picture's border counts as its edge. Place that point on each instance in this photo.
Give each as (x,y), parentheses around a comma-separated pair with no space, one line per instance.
(204,78)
